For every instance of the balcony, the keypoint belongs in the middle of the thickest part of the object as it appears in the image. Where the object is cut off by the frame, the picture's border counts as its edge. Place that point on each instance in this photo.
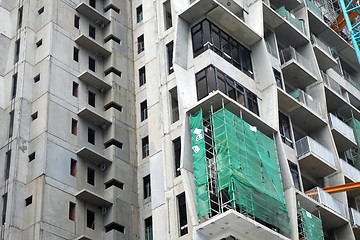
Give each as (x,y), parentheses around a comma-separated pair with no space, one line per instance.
(314,9)
(351,173)
(94,81)
(355,221)
(297,70)
(332,210)
(314,159)
(289,30)
(237,223)
(92,14)
(93,117)
(301,106)
(93,198)
(91,45)
(342,133)
(352,81)
(324,53)
(271,49)
(333,92)
(90,155)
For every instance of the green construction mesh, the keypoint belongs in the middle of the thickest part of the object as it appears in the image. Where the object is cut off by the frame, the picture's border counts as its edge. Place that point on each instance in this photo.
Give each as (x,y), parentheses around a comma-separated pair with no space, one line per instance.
(198,147)
(355,124)
(247,165)
(312,226)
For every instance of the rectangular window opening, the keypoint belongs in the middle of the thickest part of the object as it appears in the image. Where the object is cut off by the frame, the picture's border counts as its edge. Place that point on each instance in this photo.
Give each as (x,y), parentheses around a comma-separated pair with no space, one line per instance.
(91,176)
(92,31)
(147,186)
(174,105)
(4,202)
(37,78)
(143,110)
(17,51)
(73,164)
(8,162)
(91,100)
(148,229)
(142,76)
(114,182)
(14,86)
(295,175)
(92,64)
(11,125)
(90,219)
(139,14)
(167,14)
(75,89)
(145,147)
(285,130)
(77,21)
(31,157)
(182,214)
(41,10)
(39,43)
(34,115)
(28,201)
(20,17)
(74,126)
(177,155)
(91,136)
(140,44)
(76,54)
(72,211)
(92,3)
(170,49)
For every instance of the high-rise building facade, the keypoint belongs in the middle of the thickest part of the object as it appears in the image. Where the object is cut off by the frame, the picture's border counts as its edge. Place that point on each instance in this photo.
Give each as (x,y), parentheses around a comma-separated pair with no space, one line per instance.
(178,119)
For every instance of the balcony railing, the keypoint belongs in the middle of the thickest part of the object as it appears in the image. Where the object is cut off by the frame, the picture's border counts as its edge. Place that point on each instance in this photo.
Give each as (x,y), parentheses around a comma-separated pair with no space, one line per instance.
(322,45)
(341,127)
(355,217)
(307,144)
(329,201)
(291,54)
(291,18)
(350,171)
(306,99)
(314,9)
(271,49)
(348,78)
(331,83)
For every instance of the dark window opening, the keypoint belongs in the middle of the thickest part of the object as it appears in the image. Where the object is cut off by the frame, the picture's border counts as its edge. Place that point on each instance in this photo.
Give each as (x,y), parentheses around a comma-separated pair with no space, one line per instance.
(17,51)
(92,3)
(91,136)
(168,15)
(75,89)
(206,35)
(11,125)
(145,147)
(174,105)
(92,31)
(14,86)
(114,182)
(142,76)
(39,43)
(90,219)
(76,54)
(37,78)
(143,110)
(278,79)
(8,162)
(140,44)
(295,175)
(182,214)
(34,115)
(139,14)
(41,10)
(74,127)
(147,186)
(112,37)
(91,100)
(112,70)
(113,105)
(4,202)
(285,130)
(148,229)
(73,164)
(76,21)
(113,142)
(91,176)
(20,17)
(92,64)
(170,49)
(211,79)
(28,201)
(31,157)
(177,155)
(115,226)
(72,211)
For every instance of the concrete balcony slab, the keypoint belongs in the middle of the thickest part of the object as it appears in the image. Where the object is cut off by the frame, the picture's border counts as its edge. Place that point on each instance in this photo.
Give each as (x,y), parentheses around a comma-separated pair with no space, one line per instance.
(92,14)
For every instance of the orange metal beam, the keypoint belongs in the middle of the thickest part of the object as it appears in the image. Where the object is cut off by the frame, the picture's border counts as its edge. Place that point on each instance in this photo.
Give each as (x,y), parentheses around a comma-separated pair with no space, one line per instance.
(342,188)
(340,22)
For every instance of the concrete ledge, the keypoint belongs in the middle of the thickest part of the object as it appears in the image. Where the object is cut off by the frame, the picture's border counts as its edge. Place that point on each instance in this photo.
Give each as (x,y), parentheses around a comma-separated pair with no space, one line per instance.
(93,198)
(93,117)
(92,156)
(91,13)
(90,44)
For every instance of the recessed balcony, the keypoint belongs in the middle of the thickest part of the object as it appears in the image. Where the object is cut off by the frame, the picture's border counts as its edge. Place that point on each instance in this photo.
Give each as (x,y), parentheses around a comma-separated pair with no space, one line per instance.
(93,198)
(314,159)
(297,70)
(94,81)
(343,134)
(93,117)
(92,14)
(323,53)
(91,45)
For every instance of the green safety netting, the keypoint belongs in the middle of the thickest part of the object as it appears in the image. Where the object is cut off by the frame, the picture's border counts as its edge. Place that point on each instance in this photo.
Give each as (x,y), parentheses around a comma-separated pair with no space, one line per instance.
(355,125)
(198,147)
(312,226)
(248,167)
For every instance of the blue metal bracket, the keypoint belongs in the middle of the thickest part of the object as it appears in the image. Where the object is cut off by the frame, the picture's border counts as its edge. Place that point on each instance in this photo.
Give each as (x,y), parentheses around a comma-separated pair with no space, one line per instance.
(347,7)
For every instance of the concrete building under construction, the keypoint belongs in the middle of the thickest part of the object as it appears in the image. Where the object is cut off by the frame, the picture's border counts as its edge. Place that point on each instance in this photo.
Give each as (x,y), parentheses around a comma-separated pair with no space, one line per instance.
(179,119)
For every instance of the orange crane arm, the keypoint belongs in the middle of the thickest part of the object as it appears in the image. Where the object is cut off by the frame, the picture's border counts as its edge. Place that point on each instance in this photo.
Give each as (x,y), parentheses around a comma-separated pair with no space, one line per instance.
(340,22)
